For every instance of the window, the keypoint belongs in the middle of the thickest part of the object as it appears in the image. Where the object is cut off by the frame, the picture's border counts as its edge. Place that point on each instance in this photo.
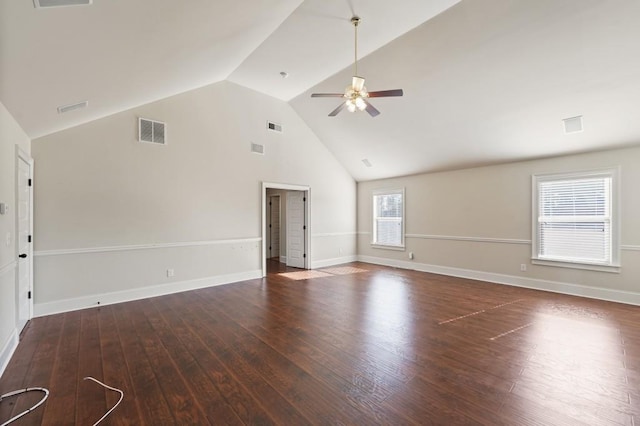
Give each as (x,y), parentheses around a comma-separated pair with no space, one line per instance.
(388,218)
(574,219)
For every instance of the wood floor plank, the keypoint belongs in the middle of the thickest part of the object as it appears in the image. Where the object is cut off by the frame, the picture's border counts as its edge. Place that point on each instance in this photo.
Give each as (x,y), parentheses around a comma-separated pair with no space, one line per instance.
(39,370)
(314,397)
(114,372)
(149,396)
(279,408)
(64,380)
(173,385)
(216,409)
(91,399)
(19,364)
(364,344)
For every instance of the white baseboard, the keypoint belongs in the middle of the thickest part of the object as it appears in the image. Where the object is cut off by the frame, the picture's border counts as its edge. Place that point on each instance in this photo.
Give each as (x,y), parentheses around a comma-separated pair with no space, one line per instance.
(8,350)
(331,262)
(67,305)
(620,296)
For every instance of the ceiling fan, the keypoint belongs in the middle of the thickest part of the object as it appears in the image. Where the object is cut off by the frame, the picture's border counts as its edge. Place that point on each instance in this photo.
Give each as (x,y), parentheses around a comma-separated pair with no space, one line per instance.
(356,94)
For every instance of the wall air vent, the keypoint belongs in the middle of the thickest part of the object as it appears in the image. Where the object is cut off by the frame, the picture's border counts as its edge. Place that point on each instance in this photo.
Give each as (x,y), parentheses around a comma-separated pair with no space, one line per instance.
(60,3)
(274,127)
(573,124)
(152,131)
(256,148)
(71,107)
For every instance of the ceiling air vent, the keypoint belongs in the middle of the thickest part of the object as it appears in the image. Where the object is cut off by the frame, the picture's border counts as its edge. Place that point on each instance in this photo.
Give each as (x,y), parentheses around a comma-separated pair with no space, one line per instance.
(274,127)
(573,124)
(71,107)
(60,3)
(152,131)
(256,148)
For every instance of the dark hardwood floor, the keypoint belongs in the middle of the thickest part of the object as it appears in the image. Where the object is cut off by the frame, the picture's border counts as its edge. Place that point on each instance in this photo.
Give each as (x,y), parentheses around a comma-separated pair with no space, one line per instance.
(357,344)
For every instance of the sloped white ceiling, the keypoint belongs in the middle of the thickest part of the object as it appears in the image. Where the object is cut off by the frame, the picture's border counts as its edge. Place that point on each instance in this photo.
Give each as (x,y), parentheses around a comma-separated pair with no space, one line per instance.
(490,81)
(118,54)
(485,81)
(317,40)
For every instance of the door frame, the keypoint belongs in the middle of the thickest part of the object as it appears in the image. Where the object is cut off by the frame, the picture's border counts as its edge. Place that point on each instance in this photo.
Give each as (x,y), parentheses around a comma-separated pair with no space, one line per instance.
(307,212)
(21,155)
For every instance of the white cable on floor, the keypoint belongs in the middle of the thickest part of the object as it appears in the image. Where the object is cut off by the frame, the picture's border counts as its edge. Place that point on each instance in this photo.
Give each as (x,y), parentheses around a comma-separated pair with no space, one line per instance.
(46,395)
(110,388)
(19,392)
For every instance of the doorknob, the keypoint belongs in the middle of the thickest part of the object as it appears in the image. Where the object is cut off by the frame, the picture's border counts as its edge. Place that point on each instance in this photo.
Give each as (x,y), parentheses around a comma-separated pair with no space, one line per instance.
(23,256)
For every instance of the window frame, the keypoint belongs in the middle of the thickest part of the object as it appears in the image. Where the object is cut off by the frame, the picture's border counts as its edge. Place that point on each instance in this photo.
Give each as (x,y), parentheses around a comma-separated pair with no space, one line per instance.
(379,192)
(614,264)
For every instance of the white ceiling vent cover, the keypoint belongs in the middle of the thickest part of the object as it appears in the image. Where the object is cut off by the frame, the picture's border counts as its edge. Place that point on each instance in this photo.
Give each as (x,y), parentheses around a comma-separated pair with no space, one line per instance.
(152,131)
(274,127)
(573,124)
(71,107)
(256,148)
(60,3)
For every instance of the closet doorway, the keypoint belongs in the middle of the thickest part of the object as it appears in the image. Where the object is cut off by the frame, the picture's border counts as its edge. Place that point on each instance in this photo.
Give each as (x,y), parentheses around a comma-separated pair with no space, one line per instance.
(285,225)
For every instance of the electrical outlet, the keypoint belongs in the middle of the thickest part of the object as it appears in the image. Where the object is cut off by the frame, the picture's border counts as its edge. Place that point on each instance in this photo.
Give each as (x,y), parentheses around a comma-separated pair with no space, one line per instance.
(170,273)
(411,255)
(340,251)
(523,267)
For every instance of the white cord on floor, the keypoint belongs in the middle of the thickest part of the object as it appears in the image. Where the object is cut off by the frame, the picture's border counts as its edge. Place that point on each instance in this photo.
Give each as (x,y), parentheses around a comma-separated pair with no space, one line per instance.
(46,395)
(19,392)
(110,388)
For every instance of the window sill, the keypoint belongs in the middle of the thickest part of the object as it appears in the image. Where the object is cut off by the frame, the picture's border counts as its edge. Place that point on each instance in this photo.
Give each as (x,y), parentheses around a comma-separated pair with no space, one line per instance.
(384,247)
(615,269)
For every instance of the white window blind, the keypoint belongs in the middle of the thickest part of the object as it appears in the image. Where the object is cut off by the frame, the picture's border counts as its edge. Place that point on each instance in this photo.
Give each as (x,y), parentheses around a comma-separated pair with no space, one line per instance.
(574,219)
(388,218)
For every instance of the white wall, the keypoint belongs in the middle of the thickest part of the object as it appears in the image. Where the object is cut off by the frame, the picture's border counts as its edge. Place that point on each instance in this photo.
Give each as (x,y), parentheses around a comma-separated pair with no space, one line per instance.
(477,223)
(112,215)
(10,135)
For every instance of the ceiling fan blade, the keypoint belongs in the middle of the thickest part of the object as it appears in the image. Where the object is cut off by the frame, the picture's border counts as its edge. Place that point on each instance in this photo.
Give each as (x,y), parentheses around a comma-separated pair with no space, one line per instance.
(327,95)
(371,109)
(337,110)
(385,93)
(357,83)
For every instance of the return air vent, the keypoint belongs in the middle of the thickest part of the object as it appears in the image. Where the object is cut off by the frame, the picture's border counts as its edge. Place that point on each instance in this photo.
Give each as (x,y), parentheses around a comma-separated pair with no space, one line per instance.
(60,3)
(152,131)
(274,127)
(256,148)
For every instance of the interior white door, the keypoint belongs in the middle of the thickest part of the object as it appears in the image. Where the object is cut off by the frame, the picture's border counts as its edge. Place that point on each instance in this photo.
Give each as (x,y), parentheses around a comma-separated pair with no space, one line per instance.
(295,229)
(274,226)
(25,251)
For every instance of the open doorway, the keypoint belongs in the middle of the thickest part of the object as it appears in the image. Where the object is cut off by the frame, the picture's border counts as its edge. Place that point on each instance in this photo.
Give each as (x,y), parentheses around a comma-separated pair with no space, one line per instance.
(274,227)
(285,225)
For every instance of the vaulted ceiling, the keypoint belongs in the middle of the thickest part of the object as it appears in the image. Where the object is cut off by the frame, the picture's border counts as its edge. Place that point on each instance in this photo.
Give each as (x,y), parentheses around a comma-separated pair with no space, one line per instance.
(485,81)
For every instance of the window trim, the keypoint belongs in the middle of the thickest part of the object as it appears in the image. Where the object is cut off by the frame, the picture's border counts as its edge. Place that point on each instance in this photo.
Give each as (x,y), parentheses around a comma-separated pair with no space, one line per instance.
(374,244)
(614,174)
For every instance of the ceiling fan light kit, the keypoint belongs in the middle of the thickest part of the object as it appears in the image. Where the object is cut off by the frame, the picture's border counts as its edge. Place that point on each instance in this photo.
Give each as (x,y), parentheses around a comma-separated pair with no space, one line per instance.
(356,94)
